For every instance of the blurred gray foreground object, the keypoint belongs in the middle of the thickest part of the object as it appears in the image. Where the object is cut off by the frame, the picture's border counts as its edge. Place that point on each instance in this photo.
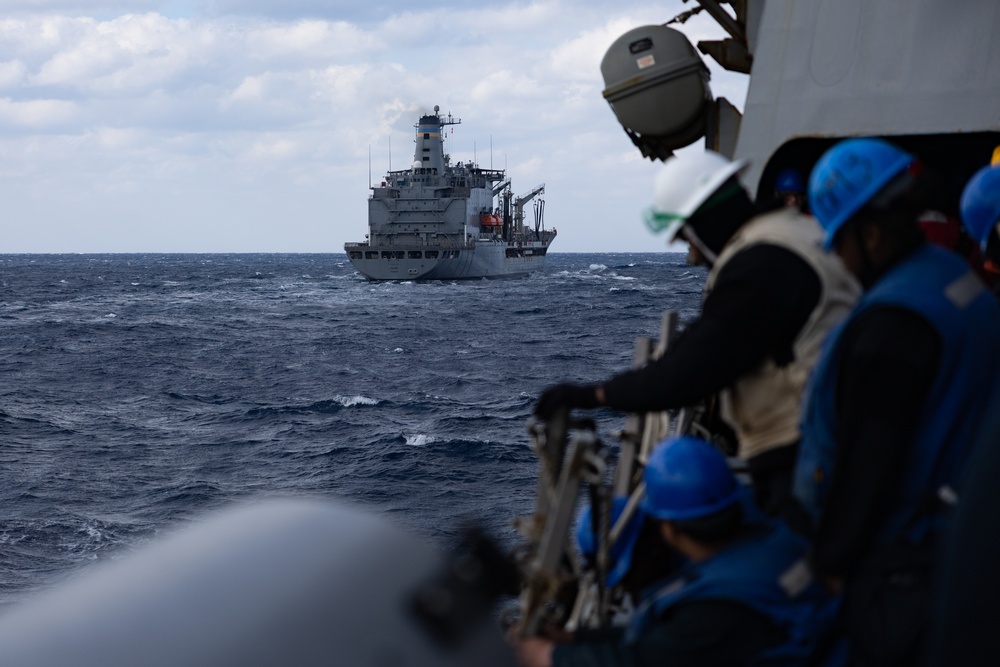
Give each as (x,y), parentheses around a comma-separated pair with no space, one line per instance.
(279,583)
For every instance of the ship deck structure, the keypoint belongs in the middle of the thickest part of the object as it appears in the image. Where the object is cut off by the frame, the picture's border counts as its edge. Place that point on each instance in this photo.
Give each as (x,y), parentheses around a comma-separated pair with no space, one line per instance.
(441,221)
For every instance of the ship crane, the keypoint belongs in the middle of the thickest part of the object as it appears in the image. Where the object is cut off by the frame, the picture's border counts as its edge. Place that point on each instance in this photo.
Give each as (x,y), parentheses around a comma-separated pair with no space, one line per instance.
(499,188)
(519,206)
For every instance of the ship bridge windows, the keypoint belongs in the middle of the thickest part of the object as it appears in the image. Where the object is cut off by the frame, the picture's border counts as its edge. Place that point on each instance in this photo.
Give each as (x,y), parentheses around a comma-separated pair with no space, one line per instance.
(354,254)
(393,254)
(414,254)
(371,254)
(431,254)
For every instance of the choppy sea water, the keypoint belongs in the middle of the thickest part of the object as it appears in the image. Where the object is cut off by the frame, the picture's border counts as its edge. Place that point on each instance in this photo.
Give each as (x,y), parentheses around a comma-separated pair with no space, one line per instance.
(138,391)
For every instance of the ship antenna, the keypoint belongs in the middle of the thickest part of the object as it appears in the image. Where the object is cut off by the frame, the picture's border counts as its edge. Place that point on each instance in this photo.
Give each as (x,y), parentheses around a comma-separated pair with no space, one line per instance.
(491,151)
(369,166)
(390,152)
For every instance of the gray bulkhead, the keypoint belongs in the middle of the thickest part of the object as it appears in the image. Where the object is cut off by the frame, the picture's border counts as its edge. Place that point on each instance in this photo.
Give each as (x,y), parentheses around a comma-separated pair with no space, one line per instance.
(829,69)
(417,213)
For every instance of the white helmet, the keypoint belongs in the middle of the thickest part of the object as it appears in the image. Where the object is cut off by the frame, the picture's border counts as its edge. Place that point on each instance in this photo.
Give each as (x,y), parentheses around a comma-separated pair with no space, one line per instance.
(683,185)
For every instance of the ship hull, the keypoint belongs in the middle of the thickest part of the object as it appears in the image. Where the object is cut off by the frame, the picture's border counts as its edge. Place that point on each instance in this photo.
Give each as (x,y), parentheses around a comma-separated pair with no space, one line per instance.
(483,260)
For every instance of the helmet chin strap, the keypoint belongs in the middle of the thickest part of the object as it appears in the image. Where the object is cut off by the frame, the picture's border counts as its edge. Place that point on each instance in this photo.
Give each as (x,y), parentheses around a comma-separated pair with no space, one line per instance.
(692,237)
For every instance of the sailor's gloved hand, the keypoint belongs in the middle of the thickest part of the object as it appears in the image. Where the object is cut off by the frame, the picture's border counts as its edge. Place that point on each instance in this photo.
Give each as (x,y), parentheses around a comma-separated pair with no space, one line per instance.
(566,396)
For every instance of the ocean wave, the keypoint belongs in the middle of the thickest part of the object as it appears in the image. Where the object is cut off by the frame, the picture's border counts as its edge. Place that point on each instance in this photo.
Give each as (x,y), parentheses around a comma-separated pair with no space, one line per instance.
(328,406)
(411,398)
(211,399)
(351,401)
(634,287)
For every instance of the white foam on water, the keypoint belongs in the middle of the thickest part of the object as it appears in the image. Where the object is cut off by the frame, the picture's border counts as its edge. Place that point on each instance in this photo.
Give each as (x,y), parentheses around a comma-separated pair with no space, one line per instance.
(419,440)
(351,401)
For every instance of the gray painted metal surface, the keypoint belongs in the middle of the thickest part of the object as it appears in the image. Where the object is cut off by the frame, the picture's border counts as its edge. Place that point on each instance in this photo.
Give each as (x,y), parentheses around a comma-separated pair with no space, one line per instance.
(840,68)
(438,221)
(282,582)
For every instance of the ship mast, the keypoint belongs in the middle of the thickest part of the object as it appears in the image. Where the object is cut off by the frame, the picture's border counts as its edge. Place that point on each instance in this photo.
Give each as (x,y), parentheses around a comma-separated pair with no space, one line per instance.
(428,153)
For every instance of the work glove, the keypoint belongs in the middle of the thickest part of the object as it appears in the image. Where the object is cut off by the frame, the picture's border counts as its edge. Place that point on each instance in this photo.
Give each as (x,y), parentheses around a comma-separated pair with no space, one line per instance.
(565,395)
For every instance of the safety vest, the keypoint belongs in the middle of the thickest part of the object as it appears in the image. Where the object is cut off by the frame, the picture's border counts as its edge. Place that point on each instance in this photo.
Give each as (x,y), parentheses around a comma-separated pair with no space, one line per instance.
(763,406)
(765,571)
(940,287)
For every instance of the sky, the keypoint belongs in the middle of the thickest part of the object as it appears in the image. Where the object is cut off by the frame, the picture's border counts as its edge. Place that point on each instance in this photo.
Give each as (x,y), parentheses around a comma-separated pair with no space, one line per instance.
(258,125)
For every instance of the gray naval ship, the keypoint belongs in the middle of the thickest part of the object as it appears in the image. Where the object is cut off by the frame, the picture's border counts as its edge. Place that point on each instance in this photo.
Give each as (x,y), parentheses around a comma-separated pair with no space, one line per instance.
(439,221)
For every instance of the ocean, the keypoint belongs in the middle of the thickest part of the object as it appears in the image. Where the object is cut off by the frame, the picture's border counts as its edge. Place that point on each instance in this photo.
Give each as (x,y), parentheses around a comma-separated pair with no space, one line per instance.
(138,392)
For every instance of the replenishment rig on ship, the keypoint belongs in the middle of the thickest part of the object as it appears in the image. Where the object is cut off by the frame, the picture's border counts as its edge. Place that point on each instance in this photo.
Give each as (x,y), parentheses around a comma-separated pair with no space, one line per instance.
(438,221)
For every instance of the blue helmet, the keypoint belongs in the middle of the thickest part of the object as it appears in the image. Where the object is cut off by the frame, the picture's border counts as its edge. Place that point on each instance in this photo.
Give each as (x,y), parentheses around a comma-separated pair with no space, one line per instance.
(789,180)
(687,478)
(621,552)
(981,204)
(850,175)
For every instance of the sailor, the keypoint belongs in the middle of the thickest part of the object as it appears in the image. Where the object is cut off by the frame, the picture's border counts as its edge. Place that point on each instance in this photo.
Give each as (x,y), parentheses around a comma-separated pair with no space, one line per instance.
(790,188)
(942,226)
(965,608)
(980,208)
(895,401)
(638,559)
(744,595)
(771,296)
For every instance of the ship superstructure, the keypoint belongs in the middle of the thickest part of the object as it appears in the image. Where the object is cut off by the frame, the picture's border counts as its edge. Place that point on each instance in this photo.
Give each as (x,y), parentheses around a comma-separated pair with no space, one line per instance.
(439,221)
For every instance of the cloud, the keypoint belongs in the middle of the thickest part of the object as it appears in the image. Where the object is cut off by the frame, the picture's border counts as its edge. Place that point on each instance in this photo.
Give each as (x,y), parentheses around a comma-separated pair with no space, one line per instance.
(35,114)
(80,7)
(310,41)
(579,57)
(270,149)
(11,74)
(196,105)
(126,56)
